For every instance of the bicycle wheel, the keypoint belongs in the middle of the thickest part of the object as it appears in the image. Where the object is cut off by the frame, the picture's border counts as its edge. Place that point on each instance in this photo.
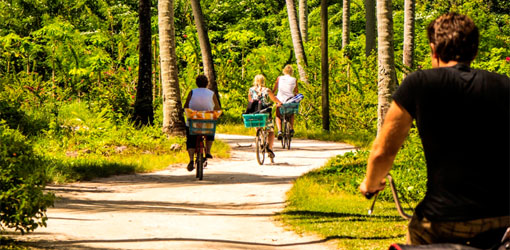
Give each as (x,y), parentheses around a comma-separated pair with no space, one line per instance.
(261,148)
(288,136)
(200,165)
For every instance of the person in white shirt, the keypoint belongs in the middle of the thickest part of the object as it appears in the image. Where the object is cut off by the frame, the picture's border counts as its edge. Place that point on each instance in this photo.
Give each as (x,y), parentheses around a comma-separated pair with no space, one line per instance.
(200,99)
(261,94)
(286,87)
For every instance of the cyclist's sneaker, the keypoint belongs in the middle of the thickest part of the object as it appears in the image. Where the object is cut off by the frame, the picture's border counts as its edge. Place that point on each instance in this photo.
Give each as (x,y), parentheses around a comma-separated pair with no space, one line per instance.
(270,153)
(190,166)
(292,132)
(280,136)
(208,156)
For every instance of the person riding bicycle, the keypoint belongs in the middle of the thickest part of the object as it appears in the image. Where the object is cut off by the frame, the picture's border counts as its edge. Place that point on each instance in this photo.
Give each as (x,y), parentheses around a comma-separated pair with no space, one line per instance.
(200,99)
(258,98)
(286,87)
(462,115)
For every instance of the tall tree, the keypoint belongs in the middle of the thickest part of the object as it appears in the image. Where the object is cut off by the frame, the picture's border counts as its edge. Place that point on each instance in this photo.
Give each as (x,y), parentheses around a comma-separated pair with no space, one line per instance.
(370,29)
(387,76)
(144,113)
(346,20)
(297,42)
(205,46)
(173,119)
(303,19)
(324,65)
(409,19)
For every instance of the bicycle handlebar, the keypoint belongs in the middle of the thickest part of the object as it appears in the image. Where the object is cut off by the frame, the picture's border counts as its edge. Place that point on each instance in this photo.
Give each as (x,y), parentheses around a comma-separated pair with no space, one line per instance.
(400,210)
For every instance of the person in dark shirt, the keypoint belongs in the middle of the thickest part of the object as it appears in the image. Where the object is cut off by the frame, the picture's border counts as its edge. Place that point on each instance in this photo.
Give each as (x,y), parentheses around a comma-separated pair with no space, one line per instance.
(462,115)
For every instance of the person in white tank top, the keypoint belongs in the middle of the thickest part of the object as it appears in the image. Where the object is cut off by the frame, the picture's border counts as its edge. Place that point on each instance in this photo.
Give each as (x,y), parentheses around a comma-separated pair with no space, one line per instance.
(200,99)
(286,87)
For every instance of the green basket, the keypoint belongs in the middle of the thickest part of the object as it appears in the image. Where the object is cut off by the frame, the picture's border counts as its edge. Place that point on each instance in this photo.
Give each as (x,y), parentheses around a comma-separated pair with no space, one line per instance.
(255,120)
(202,127)
(289,108)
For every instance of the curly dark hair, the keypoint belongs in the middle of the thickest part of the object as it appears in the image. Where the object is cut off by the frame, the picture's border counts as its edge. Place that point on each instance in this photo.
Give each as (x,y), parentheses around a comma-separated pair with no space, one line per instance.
(202,81)
(455,37)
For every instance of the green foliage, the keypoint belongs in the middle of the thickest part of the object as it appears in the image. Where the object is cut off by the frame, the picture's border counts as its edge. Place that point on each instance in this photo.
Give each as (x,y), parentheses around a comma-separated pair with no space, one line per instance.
(22,174)
(346,172)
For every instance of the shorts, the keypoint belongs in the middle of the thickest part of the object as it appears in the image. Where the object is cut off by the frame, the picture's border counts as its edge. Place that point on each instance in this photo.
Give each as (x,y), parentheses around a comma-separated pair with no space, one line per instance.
(191,140)
(480,233)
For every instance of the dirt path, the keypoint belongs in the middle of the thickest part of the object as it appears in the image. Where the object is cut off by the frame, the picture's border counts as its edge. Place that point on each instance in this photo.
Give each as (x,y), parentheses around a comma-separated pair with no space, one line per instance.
(231,208)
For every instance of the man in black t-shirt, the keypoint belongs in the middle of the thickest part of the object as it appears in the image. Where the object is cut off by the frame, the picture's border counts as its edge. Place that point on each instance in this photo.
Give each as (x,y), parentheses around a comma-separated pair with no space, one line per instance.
(462,115)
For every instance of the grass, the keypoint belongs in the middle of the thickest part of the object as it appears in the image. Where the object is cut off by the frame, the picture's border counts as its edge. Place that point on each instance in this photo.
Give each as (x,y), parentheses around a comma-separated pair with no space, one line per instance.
(320,207)
(358,139)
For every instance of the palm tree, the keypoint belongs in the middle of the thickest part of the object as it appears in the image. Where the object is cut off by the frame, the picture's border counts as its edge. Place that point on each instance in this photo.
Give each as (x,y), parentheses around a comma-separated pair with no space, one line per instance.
(205,46)
(408,53)
(324,65)
(173,119)
(303,19)
(370,29)
(345,22)
(144,113)
(387,75)
(296,40)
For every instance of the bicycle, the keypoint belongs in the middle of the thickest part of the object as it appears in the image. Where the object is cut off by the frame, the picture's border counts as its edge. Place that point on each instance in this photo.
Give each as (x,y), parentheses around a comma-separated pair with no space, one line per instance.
(201,128)
(259,120)
(287,110)
(504,244)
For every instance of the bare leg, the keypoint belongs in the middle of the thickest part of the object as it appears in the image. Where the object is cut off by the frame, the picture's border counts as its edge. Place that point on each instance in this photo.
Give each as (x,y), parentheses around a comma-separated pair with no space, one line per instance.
(270,139)
(292,122)
(191,153)
(279,123)
(209,146)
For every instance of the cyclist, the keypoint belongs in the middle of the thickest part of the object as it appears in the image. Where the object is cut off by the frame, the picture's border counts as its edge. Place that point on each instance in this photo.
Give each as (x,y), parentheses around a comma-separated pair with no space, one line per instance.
(286,87)
(260,94)
(200,99)
(462,115)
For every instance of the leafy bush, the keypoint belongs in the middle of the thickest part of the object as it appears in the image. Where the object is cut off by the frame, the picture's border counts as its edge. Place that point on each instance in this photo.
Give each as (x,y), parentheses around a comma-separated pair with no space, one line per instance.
(23,202)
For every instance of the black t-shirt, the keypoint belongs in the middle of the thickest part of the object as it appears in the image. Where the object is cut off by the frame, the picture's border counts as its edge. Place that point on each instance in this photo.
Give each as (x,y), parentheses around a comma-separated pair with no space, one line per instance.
(462,115)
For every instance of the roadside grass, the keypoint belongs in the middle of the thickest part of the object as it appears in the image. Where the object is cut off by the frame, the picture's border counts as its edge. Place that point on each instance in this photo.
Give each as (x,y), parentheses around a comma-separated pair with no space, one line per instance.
(326,201)
(84,144)
(84,165)
(360,139)
(316,204)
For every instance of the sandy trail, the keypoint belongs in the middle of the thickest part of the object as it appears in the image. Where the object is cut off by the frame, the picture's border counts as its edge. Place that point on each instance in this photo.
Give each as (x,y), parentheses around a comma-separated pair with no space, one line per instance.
(232,208)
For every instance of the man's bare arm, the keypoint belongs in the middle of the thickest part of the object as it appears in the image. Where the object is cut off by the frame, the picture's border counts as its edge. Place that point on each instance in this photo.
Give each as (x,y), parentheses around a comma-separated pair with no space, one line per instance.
(389,140)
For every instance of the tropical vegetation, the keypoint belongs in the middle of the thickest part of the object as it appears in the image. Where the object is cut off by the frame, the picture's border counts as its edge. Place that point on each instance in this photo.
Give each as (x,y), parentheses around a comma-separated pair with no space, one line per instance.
(72,74)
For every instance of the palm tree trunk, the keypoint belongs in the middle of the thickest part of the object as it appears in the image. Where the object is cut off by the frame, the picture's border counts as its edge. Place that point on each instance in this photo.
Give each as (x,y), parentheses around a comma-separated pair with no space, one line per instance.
(324,65)
(346,22)
(173,118)
(303,19)
(205,46)
(387,75)
(370,28)
(144,113)
(299,50)
(408,53)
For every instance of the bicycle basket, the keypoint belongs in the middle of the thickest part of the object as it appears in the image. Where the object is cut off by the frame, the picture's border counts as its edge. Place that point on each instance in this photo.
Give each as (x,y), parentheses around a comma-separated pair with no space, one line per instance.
(255,120)
(202,127)
(289,108)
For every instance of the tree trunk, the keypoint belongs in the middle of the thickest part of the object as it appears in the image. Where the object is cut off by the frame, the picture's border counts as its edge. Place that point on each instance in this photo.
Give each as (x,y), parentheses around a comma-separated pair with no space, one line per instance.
(370,28)
(173,118)
(205,46)
(299,50)
(408,52)
(387,76)
(144,113)
(303,19)
(346,19)
(324,65)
